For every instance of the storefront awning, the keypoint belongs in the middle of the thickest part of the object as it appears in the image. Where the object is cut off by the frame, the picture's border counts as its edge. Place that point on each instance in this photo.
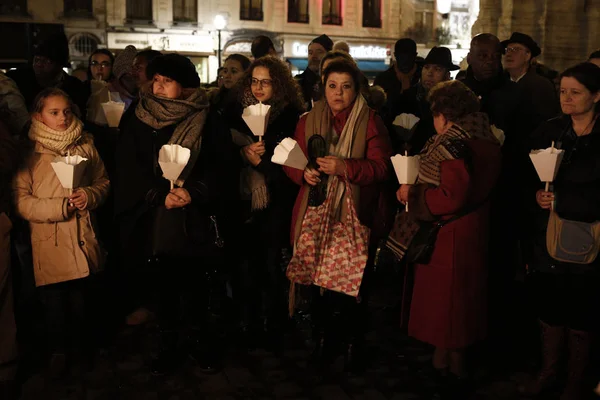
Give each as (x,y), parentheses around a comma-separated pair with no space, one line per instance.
(300,63)
(368,67)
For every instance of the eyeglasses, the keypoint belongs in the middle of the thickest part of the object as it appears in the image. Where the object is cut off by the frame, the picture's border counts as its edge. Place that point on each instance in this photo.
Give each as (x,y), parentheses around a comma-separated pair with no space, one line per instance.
(514,50)
(262,82)
(104,64)
(41,60)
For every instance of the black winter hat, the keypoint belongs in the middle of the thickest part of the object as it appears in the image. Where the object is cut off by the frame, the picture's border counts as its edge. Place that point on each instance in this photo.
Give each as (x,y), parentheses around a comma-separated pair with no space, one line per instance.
(525,40)
(55,48)
(176,67)
(405,46)
(324,41)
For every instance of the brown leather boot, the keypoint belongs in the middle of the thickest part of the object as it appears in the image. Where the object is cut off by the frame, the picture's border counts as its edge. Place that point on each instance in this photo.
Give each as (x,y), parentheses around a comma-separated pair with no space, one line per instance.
(553,338)
(579,343)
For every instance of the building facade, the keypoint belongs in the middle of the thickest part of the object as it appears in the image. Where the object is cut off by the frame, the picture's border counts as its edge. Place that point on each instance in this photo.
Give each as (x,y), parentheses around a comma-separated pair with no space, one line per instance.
(83,21)
(186,26)
(566,31)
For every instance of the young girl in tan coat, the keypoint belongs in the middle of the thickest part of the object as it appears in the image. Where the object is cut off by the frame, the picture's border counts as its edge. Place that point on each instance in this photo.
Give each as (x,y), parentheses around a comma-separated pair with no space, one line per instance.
(65,248)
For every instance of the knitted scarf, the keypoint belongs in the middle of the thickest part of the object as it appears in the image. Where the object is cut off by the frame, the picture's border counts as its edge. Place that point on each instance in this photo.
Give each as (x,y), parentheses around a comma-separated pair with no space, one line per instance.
(58,141)
(252,182)
(188,114)
(439,148)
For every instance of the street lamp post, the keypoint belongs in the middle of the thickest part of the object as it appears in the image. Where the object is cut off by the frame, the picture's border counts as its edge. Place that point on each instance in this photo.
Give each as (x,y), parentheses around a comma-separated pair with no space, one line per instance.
(219,23)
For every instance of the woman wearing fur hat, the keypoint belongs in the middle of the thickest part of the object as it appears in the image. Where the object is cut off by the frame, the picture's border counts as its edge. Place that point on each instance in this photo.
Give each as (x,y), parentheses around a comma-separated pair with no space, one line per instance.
(172,109)
(268,195)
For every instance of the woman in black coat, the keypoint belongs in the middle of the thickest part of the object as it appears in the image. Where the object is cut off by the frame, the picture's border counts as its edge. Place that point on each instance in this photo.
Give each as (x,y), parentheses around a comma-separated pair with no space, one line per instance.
(172,110)
(566,293)
(268,197)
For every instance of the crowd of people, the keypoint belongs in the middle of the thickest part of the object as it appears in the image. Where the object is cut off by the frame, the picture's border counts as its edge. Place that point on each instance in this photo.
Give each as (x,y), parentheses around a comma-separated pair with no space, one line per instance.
(126,246)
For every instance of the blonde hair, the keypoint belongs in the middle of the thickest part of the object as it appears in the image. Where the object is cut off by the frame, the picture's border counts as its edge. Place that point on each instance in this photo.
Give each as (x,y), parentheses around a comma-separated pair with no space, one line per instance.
(40,99)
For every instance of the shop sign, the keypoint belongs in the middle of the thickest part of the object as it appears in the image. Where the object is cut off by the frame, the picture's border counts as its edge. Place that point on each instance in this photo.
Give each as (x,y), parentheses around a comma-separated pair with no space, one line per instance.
(361,52)
(161,42)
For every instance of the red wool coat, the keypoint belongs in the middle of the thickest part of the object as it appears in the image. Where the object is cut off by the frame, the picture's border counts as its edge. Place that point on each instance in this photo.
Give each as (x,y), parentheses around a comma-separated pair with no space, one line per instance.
(449,301)
(371,174)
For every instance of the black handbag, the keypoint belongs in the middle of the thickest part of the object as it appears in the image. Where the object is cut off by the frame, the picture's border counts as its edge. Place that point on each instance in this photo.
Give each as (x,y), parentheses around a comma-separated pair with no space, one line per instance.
(422,244)
(184,232)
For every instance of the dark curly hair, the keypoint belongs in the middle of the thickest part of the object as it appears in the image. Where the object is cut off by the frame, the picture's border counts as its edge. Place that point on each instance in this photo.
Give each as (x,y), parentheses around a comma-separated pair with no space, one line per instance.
(286,90)
(452,99)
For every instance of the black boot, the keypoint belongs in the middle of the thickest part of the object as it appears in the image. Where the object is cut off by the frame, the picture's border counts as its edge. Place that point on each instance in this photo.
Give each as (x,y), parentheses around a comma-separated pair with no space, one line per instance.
(168,357)
(205,352)
(355,358)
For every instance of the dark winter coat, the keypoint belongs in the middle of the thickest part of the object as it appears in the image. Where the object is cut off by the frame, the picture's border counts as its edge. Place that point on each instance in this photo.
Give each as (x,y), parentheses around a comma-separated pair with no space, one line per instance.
(310,84)
(576,189)
(495,101)
(140,188)
(276,217)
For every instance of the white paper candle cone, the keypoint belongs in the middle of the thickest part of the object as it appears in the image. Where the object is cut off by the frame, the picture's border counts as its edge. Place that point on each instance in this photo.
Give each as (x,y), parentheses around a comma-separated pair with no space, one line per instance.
(113,111)
(406,168)
(255,117)
(546,162)
(499,134)
(406,121)
(289,153)
(69,170)
(172,159)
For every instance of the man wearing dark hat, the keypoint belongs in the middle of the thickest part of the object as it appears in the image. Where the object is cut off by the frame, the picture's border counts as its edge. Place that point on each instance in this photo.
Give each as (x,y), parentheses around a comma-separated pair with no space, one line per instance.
(50,56)
(403,74)
(534,100)
(436,69)
(309,80)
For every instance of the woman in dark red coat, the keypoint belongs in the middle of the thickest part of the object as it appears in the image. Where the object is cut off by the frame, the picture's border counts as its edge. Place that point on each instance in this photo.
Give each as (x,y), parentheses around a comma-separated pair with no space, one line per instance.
(346,122)
(459,168)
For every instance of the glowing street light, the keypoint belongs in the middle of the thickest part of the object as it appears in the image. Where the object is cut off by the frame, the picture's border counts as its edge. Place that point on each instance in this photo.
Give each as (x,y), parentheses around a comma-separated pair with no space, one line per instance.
(219,23)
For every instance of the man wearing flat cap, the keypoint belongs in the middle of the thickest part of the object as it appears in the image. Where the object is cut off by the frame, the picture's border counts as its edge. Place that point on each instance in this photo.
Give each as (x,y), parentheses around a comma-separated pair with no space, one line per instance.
(309,80)
(50,56)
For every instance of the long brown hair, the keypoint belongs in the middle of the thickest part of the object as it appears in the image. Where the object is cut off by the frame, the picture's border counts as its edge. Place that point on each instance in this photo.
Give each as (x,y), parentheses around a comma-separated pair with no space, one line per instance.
(286,90)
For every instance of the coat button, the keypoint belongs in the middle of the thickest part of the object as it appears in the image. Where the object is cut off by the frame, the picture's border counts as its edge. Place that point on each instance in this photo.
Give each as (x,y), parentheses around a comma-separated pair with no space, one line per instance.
(552,266)
(81,243)
(78,216)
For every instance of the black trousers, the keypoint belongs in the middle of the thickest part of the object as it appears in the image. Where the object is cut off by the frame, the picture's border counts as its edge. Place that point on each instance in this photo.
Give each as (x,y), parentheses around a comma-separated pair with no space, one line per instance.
(259,281)
(186,290)
(569,300)
(72,314)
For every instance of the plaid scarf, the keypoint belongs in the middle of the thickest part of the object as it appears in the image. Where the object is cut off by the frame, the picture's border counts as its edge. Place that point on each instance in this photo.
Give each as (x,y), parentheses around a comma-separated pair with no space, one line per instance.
(448,146)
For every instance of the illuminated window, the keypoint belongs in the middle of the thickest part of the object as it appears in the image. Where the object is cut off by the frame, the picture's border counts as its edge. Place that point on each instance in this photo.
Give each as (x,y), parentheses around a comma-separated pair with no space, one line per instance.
(298,11)
(251,10)
(185,11)
(372,13)
(13,7)
(139,10)
(332,12)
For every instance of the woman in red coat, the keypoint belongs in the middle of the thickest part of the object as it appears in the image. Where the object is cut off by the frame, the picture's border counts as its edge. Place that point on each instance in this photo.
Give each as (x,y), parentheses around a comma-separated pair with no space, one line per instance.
(459,168)
(362,149)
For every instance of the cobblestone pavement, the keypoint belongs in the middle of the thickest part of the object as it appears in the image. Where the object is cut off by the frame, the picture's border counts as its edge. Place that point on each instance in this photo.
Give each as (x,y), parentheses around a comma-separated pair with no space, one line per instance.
(399,369)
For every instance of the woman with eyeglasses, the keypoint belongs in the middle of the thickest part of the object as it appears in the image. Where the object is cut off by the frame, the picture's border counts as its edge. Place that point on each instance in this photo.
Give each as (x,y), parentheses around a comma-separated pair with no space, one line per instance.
(268,197)
(564,288)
